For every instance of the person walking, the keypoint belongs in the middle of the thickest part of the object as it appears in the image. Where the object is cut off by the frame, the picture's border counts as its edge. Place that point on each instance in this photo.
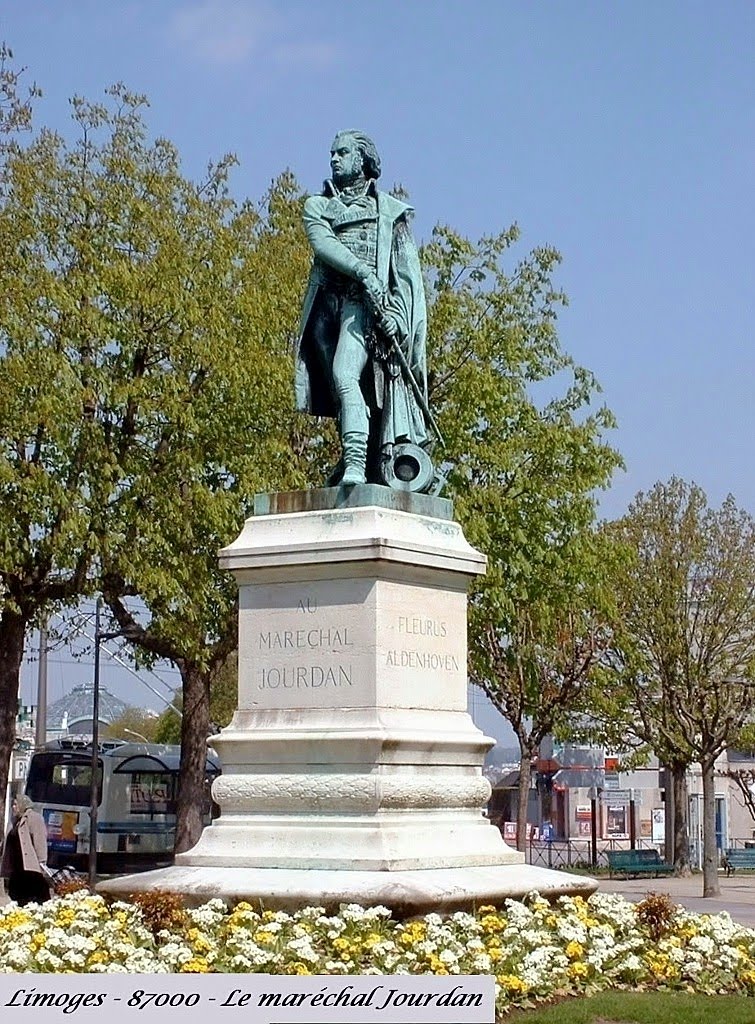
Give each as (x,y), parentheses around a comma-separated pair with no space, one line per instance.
(24,862)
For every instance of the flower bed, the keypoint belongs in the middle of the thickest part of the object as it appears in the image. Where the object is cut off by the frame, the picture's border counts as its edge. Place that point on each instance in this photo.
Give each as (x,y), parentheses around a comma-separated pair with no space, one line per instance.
(535,949)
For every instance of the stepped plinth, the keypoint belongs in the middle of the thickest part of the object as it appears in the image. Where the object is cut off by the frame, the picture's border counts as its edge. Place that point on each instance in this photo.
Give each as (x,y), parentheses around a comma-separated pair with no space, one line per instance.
(352,771)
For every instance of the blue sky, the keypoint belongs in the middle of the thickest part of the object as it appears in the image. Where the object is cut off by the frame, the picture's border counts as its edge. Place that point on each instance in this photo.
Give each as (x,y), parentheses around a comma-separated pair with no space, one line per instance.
(622,133)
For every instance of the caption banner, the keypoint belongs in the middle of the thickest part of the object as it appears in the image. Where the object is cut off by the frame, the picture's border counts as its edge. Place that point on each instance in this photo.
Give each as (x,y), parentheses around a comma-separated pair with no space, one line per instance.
(260,998)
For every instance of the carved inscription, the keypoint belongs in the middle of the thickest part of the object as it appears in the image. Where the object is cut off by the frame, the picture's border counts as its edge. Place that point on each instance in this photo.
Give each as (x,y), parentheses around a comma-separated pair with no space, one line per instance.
(413,627)
(422,659)
(305,676)
(418,626)
(307,671)
(292,639)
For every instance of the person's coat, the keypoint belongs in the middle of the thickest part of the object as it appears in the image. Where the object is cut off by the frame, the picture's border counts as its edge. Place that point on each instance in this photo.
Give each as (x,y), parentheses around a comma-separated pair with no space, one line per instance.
(398,269)
(32,835)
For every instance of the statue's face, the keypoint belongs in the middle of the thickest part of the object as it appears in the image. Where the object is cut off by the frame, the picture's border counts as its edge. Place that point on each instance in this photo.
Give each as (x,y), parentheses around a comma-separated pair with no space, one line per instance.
(346,161)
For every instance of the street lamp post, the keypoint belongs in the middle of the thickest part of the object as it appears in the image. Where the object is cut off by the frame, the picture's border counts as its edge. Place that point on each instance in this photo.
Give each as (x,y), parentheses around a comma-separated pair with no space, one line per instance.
(99,637)
(138,735)
(95,786)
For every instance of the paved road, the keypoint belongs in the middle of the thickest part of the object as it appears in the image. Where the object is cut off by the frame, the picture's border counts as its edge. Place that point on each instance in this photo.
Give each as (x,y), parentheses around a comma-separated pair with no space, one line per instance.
(737,894)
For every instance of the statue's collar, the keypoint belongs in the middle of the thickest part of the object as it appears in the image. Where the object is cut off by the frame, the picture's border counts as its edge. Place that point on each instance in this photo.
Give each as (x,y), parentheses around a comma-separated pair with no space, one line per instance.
(350,193)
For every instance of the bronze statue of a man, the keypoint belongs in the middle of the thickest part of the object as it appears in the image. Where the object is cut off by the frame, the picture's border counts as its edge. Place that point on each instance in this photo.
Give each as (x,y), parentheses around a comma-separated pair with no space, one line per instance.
(361,354)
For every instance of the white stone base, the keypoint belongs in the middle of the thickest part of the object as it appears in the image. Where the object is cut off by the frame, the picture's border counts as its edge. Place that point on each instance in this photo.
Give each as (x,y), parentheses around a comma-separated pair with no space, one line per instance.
(352,772)
(440,890)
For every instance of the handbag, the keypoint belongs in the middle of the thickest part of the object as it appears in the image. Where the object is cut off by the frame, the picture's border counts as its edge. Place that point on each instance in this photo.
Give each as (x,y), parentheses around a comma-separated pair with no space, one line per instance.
(62,877)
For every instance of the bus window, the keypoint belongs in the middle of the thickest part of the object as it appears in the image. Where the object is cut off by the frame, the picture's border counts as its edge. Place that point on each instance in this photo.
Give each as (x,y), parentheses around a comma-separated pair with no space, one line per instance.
(62,779)
(153,793)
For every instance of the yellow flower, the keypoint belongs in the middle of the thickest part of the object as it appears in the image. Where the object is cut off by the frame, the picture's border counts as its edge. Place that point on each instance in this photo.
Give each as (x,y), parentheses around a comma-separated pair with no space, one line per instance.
(580,970)
(300,968)
(436,964)
(341,945)
(660,966)
(96,905)
(262,936)
(413,932)
(491,924)
(512,984)
(574,950)
(242,913)
(37,941)
(199,942)
(197,965)
(495,954)
(14,919)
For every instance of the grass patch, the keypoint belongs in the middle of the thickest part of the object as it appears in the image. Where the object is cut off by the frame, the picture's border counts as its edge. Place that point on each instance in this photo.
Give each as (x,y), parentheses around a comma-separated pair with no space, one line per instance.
(641,1008)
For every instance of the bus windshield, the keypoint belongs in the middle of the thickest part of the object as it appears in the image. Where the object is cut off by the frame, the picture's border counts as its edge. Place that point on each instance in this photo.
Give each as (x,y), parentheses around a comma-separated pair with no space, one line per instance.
(63,778)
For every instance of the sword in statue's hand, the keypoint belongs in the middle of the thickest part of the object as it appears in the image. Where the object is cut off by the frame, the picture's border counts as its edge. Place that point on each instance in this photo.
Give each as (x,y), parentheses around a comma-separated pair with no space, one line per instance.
(388,327)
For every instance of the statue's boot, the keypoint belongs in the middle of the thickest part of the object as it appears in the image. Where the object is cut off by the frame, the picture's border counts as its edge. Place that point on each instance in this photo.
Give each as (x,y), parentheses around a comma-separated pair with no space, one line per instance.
(354,458)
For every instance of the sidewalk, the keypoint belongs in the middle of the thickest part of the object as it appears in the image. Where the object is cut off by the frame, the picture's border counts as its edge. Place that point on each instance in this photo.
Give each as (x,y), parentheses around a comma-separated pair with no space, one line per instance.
(737,893)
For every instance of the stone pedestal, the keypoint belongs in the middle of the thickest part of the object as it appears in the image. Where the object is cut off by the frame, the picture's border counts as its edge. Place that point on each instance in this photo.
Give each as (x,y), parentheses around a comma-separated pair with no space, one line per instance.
(351,769)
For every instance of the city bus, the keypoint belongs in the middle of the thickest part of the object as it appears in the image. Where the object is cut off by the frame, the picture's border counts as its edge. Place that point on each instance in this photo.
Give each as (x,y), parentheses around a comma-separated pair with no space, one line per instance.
(137,786)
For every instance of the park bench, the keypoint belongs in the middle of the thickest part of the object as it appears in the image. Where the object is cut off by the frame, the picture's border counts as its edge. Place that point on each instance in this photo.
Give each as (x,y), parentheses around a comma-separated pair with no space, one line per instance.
(637,862)
(738,858)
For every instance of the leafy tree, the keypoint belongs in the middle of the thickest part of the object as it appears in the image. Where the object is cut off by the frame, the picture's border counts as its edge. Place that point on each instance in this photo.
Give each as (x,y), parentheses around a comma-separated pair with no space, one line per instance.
(133,724)
(685,636)
(45,551)
(15,106)
(526,455)
(223,703)
(145,322)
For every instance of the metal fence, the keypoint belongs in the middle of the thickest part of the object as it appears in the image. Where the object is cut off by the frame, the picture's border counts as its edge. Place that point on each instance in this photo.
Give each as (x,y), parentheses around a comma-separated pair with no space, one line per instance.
(577,853)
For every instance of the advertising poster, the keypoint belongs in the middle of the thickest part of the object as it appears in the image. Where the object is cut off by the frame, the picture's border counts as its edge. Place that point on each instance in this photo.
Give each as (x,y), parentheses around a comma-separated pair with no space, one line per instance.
(61,829)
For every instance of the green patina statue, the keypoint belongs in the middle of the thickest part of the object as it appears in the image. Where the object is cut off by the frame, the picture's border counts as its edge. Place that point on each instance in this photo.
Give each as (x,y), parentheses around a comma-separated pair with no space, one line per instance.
(361,355)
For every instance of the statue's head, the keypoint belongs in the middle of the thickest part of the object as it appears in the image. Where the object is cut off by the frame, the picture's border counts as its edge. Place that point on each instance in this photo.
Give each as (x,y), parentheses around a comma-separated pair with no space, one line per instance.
(352,155)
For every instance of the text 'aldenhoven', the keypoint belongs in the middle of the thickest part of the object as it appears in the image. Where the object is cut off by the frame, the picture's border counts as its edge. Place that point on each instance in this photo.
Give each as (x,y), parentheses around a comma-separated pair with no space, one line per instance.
(422,659)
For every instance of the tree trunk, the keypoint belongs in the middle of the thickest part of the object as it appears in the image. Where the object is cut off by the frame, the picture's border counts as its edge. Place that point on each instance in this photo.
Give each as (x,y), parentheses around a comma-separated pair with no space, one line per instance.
(523,799)
(711,886)
(12,634)
(195,728)
(681,820)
